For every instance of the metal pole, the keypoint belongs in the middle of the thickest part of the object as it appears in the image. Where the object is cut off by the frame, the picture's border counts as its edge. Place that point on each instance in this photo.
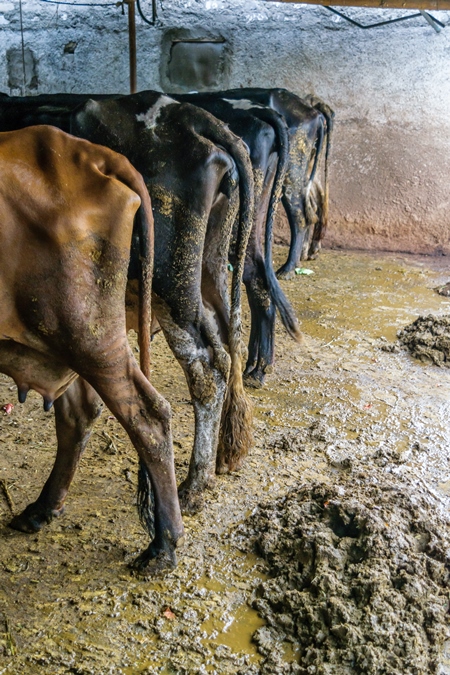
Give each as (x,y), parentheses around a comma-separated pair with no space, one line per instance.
(132,43)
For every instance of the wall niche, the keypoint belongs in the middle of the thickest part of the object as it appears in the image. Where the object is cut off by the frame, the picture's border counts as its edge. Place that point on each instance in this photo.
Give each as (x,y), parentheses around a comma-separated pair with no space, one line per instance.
(194,61)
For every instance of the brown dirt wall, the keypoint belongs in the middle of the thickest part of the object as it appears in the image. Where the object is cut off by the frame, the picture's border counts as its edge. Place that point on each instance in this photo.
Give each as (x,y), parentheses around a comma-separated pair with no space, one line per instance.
(389,190)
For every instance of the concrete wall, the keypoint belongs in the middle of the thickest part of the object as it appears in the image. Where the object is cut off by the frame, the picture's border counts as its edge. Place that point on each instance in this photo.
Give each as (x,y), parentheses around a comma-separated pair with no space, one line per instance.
(389,86)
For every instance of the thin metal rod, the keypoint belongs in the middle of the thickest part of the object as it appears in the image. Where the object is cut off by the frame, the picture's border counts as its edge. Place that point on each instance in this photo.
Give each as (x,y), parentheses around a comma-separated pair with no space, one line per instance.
(132,44)
(23,50)
(434,23)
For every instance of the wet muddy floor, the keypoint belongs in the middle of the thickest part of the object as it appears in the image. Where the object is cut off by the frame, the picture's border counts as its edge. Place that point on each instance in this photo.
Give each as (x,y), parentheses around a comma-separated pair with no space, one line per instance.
(344,415)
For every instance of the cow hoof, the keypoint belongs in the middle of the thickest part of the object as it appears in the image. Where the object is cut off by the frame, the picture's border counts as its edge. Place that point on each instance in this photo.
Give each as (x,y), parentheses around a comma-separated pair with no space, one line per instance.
(150,563)
(222,468)
(254,380)
(285,274)
(33,518)
(191,501)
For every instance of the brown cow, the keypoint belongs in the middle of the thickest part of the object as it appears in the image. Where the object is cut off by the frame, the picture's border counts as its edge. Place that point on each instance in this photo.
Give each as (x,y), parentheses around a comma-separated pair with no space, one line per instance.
(198,175)
(66,228)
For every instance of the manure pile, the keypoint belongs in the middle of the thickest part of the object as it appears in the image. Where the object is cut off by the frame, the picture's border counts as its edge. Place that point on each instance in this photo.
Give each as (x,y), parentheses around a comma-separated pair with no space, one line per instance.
(428,339)
(358,579)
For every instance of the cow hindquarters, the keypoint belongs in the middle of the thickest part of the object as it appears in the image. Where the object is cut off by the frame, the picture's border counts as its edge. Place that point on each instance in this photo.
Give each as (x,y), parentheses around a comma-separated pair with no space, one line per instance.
(75,413)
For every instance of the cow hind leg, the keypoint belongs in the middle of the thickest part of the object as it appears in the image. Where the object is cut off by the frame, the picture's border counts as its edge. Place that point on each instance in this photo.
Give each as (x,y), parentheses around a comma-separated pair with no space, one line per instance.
(299,232)
(262,333)
(75,413)
(207,411)
(145,416)
(206,366)
(318,207)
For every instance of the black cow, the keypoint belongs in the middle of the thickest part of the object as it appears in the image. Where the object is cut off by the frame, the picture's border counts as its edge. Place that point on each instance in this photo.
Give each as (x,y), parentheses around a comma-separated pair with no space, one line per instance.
(265,133)
(309,122)
(195,170)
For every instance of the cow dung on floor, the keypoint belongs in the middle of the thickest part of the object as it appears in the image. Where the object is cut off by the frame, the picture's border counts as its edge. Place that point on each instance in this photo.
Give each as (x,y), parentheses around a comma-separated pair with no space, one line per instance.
(428,339)
(358,578)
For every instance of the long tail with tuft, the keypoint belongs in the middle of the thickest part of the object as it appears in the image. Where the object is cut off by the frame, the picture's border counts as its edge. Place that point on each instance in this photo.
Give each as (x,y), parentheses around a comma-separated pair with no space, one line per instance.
(146,500)
(235,438)
(279,299)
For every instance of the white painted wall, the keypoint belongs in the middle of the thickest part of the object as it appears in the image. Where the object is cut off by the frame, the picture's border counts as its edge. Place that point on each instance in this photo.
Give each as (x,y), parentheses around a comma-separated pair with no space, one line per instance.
(389,86)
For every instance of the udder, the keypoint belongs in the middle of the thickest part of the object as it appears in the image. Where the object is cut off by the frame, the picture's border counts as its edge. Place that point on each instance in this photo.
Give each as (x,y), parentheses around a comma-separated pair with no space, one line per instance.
(31,369)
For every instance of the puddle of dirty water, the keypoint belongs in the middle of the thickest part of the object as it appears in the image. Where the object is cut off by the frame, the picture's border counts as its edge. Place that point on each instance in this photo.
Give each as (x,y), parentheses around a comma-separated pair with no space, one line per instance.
(339,400)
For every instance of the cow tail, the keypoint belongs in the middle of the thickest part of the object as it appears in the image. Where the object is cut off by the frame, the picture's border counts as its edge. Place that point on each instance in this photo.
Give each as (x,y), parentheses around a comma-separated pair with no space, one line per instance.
(143,227)
(144,223)
(310,212)
(145,500)
(236,429)
(279,299)
(236,435)
(328,113)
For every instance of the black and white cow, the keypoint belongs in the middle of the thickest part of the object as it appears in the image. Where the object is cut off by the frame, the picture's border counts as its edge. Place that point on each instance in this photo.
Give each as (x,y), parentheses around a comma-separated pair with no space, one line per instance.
(309,122)
(266,135)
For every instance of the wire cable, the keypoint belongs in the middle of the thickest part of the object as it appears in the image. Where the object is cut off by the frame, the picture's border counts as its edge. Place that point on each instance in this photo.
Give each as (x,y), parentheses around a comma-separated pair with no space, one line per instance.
(142,15)
(383,23)
(109,4)
(84,4)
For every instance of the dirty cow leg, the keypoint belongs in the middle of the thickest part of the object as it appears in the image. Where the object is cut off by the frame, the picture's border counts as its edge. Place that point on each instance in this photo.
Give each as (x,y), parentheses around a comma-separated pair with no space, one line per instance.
(299,232)
(145,416)
(207,402)
(206,366)
(318,207)
(75,413)
(262,333)
(261,303)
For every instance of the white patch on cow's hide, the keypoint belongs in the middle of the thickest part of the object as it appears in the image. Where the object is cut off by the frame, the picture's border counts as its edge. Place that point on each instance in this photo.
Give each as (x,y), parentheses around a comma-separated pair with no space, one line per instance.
(243,104)
(150,118)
